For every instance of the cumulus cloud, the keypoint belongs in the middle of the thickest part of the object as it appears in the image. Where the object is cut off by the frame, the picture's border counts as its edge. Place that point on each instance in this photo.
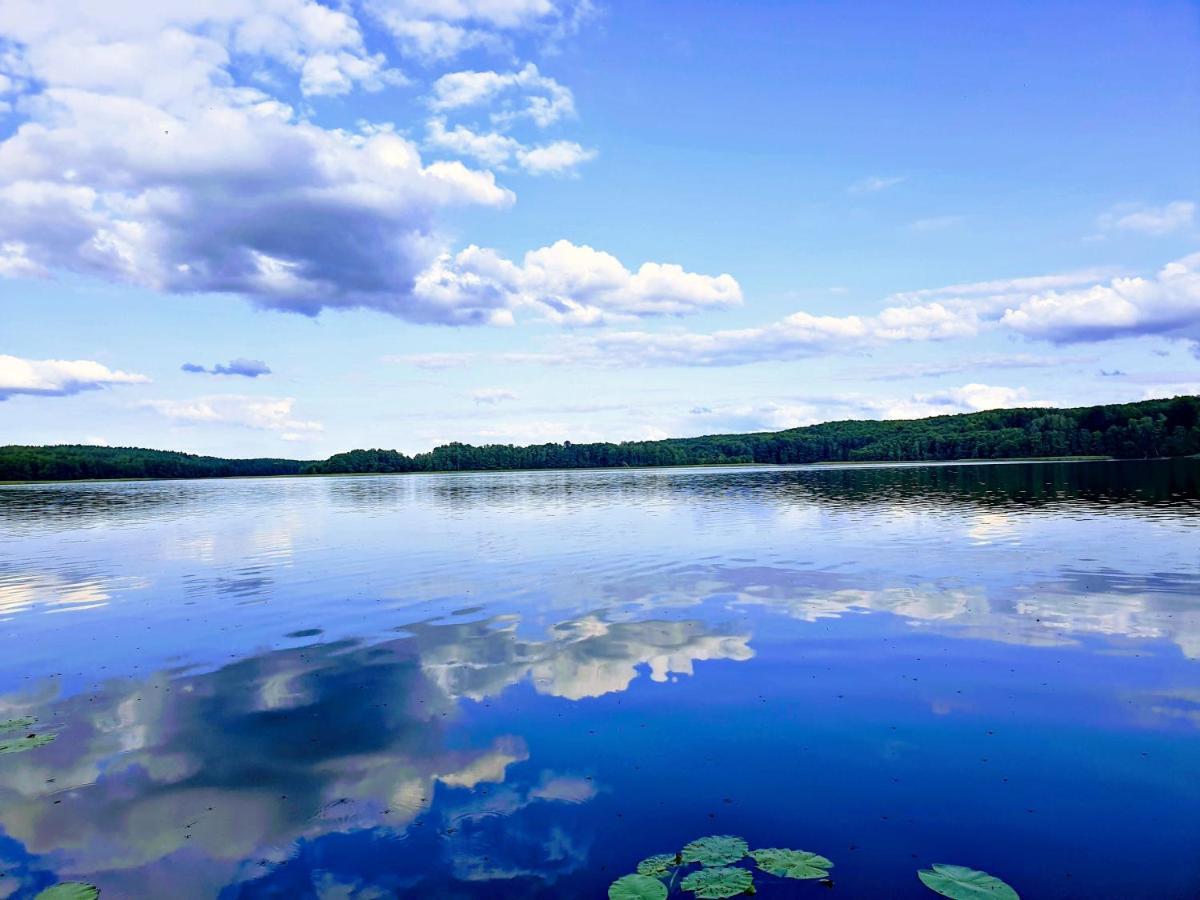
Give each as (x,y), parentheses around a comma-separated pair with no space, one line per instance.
(968,398)
(248,368)
(1167,304)
(58,377)
(498,150)
(492,396)
(1153,220)
(526,93)
(557,158)
(260,413)
(141,159)
(443,29)
(797,336)
(1081,311)
(573,284)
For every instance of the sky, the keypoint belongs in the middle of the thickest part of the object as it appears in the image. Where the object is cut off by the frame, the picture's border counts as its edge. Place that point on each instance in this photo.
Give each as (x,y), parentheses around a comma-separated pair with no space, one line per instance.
(291,228)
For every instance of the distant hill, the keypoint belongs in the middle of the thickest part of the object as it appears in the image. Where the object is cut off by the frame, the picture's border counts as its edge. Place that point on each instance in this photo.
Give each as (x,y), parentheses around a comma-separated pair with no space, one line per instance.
(1151,428)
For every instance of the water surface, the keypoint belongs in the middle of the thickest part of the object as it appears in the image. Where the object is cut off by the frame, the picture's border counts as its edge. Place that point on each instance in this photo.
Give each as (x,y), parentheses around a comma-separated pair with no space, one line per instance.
(519,685)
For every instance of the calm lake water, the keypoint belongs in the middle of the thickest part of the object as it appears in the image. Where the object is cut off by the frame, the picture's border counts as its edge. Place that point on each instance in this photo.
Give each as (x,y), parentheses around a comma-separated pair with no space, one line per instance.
(520,685)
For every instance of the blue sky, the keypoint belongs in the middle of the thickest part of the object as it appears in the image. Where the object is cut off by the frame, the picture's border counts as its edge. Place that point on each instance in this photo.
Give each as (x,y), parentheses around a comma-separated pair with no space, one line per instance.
(400,222)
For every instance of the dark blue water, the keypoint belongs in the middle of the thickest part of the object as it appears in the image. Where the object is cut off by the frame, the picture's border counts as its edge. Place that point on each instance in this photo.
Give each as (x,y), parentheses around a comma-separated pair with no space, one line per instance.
(520,685)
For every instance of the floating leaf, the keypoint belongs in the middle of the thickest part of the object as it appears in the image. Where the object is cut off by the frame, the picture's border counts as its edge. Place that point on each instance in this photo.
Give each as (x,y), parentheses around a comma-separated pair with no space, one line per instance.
(962,883)
(719,882)
(20,744)
(658,865)
(22,724)
(637,887)
(792,863)
(717,850)
(70,890)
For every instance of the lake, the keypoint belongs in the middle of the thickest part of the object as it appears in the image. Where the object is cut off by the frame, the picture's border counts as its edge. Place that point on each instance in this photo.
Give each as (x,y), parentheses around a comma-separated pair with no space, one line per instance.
(519,685)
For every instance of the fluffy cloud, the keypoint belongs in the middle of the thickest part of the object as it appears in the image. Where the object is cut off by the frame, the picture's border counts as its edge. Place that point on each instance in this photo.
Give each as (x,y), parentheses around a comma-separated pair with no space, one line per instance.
(797,336)
(442,29)
(1154,220)
(497,150)
(261,413)
(58,377)
(523,94)
(573,284)
(1167,304)
(248,368)
(557,158)
(142,160)
(968,398)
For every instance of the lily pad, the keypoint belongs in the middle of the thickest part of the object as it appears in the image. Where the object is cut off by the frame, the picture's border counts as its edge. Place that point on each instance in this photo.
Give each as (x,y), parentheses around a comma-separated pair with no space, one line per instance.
(716,850)
(69,890)
(792,863)
(961,883)
(637,887)
(658,865)
(718,882)
(28,742)
(21,724)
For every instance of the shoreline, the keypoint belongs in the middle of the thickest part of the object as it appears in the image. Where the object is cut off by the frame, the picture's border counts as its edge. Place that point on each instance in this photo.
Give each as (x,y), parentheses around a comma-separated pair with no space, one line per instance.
(823,464)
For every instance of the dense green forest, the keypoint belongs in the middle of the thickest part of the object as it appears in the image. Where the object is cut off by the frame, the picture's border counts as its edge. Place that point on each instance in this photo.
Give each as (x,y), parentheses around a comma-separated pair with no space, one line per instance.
(1151,428)
(67,462)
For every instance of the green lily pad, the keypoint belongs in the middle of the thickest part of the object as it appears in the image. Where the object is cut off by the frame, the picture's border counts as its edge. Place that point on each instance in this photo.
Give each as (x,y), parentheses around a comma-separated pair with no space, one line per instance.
(21,724)
(637,887)
(718,882)
(69,890)
(658,865)
(716,850)
(961,883)
(792,863)
(21,744)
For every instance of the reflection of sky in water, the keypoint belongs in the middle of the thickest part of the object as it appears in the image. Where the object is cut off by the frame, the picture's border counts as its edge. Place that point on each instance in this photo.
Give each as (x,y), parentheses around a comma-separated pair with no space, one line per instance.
(518,685)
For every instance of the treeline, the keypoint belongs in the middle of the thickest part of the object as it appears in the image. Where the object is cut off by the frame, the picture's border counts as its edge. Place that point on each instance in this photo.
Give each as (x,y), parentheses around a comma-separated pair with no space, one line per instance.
(1151,428)
(69,462)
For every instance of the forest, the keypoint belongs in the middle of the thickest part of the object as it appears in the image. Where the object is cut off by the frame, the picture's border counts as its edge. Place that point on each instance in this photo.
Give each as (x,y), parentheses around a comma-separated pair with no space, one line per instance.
(1150,428)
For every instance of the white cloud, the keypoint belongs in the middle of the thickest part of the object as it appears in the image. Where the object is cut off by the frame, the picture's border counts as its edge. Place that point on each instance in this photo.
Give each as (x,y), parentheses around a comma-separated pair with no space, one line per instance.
(1154,220)
(1167,304)
(492,396)
(58,377)
(968,398)
(1002,290)
(142,160)
(873,184)
(557,158)
(574,285)
(260,413)
(539,97)
(496,150)
(797,336)
(442,29)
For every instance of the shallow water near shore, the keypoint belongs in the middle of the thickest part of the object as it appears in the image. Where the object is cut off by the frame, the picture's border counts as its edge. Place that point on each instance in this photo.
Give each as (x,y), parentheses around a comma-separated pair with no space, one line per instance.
(519,685)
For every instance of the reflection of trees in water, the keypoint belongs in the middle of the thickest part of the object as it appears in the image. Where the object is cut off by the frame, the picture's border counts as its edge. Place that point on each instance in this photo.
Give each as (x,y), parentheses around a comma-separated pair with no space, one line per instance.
(1131,484)
(193,779)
